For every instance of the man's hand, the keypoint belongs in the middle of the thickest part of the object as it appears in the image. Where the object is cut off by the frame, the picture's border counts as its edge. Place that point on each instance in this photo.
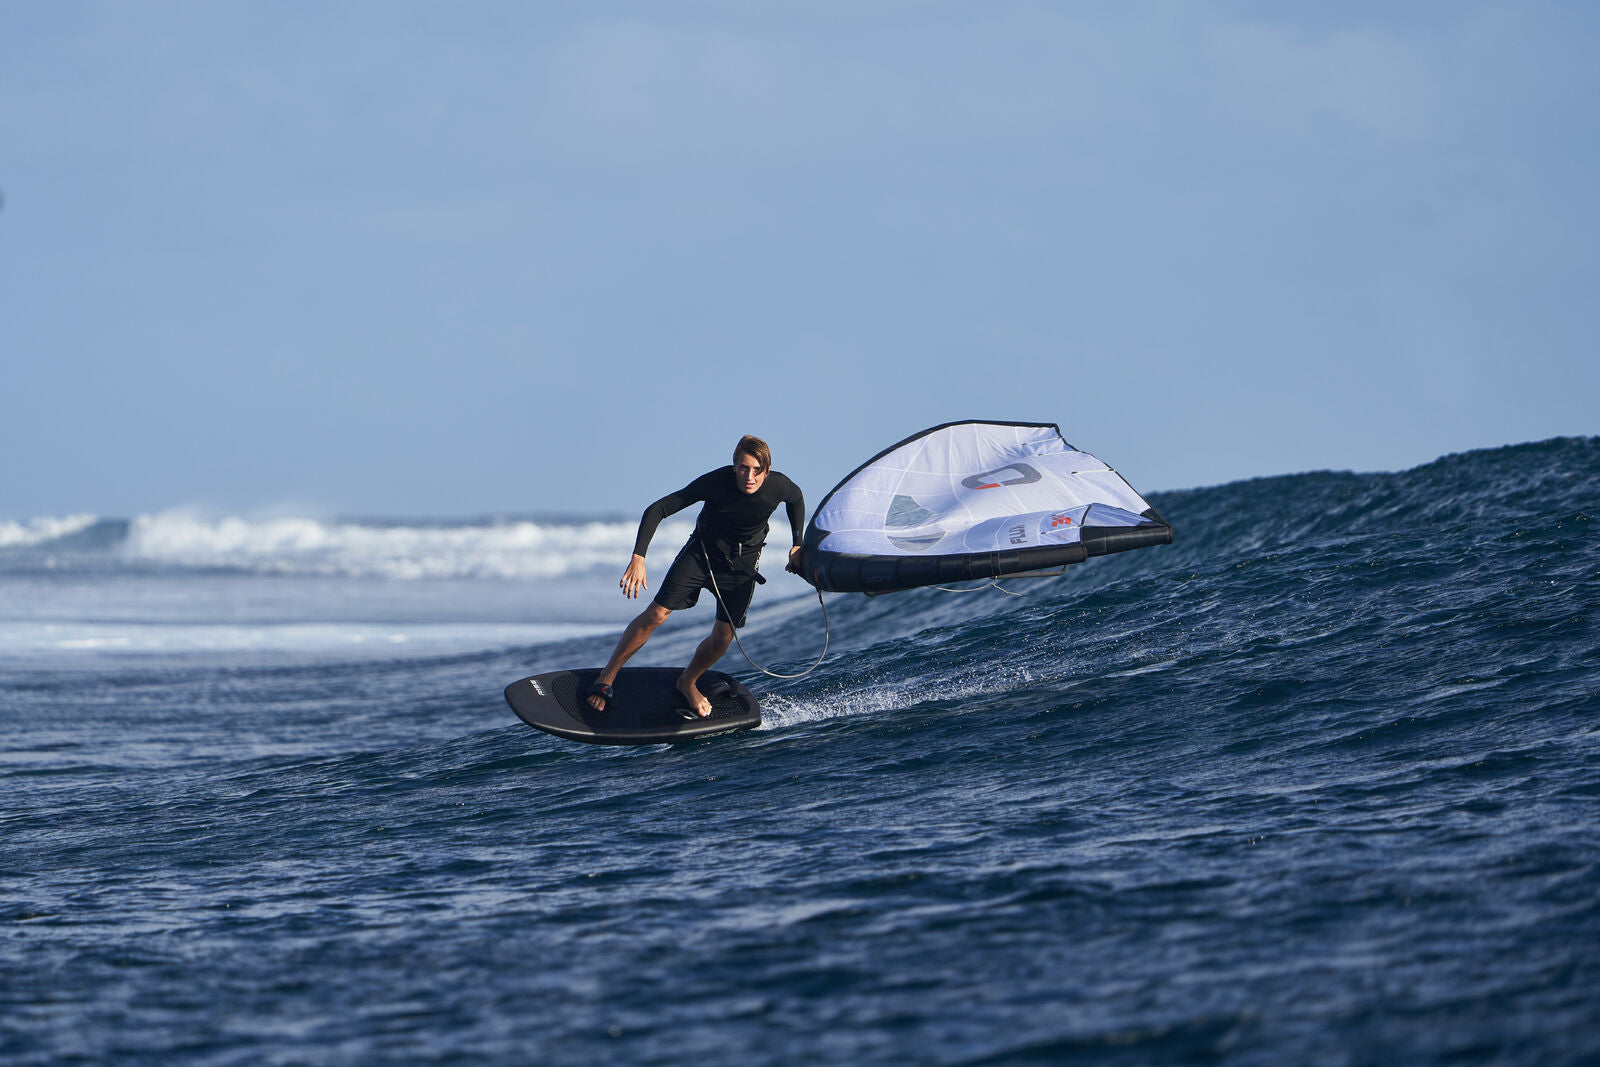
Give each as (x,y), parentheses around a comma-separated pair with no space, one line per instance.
(633,578)
(793,566)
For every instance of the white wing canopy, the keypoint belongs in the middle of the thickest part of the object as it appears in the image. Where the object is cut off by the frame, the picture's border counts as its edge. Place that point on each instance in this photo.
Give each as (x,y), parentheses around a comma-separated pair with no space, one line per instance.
(973,500)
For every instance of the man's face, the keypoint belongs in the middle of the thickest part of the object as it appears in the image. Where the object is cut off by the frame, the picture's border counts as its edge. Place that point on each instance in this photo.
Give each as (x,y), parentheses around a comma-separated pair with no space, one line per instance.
(747,473)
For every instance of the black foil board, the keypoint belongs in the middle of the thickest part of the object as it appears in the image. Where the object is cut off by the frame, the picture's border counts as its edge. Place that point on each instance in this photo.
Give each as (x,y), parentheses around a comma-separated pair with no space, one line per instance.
(643,712)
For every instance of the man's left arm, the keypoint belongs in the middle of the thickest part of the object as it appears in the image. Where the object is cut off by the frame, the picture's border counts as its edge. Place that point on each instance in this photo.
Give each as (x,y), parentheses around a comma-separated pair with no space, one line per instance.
(795,503)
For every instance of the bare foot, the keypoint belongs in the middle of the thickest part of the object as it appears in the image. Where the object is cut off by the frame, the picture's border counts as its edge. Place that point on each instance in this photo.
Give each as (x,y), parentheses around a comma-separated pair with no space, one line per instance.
(597,701)
(696,699)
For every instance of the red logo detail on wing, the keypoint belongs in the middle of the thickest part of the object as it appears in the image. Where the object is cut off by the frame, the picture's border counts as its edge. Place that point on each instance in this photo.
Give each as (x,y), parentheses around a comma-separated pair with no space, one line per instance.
(1060,520)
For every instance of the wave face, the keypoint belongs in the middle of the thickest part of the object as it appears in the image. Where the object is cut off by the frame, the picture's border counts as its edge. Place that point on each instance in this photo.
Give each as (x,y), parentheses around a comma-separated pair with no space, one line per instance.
(1314,784)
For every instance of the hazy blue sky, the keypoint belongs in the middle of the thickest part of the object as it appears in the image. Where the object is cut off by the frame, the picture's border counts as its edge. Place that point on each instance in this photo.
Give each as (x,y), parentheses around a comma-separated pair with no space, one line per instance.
(397,258)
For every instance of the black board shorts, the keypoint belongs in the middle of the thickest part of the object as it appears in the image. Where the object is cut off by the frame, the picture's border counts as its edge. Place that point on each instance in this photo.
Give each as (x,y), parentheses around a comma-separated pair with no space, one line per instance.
(688,575)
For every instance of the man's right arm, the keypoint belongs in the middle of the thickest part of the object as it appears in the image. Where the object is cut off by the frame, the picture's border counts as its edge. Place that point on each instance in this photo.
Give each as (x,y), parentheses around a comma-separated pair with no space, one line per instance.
(670,504)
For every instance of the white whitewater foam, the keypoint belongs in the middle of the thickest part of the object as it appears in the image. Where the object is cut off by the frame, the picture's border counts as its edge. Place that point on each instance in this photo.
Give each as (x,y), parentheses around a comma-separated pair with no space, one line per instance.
(30,641)
(38,531)
(839,700)
(313,547)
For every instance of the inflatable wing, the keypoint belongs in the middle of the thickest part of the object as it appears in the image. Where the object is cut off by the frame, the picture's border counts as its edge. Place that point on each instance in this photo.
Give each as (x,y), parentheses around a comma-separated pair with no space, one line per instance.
(973,500)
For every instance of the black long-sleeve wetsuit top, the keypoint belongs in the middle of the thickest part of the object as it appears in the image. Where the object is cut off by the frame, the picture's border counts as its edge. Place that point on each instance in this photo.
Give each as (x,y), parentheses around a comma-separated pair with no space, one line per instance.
(733,517)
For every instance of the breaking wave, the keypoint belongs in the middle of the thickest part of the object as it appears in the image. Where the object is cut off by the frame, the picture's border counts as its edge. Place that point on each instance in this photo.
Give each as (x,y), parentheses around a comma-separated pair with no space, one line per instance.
(310,547)
(40,531)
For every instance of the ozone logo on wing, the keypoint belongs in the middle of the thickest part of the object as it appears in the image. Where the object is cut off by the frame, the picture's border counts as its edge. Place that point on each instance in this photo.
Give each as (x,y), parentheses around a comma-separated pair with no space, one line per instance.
(1022,474)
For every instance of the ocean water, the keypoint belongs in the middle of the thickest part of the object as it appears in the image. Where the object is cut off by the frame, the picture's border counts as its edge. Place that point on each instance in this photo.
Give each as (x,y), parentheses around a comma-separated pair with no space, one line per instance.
(1317,784)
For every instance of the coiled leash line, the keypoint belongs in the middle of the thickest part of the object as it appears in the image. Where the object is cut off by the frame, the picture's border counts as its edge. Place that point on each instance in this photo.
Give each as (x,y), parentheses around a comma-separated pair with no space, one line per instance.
(716,592)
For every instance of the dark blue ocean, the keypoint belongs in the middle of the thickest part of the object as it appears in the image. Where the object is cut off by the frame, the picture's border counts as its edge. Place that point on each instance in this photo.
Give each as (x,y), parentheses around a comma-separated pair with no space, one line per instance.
(1317,784)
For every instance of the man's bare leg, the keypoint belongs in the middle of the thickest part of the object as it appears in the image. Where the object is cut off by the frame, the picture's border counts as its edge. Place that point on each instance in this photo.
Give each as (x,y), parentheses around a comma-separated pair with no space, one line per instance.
(710,650)
(631,641)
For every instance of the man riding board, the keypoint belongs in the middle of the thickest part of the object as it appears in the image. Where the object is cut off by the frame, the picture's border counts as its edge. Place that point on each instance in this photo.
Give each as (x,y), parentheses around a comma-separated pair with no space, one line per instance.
(724,548)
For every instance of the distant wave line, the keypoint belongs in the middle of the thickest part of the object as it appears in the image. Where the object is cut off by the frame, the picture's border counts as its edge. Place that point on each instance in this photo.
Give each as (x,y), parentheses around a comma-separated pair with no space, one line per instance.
(290,545)
(42,530)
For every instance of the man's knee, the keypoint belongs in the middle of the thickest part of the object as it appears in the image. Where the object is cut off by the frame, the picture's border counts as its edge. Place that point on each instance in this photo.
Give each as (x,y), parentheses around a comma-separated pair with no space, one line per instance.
(652,617)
